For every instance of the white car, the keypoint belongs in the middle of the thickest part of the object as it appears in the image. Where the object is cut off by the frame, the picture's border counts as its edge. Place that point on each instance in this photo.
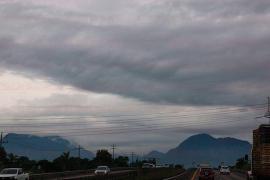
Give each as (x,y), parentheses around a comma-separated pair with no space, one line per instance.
(249,175)
(14,173)
(166,165)
(159,166)
(148,165)
(102,170)
(224,170)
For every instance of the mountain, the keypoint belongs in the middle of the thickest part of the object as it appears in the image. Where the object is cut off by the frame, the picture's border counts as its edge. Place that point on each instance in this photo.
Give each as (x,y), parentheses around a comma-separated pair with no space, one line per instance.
(155,154)
(203,148)
(37,148)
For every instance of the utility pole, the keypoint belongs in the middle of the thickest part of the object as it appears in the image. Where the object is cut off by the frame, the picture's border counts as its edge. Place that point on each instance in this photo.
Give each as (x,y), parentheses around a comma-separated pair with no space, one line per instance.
(79,155)
(2,140)
(132,155)
(79,151)
(268,104)
(267,115)
(113,148)
(79,148)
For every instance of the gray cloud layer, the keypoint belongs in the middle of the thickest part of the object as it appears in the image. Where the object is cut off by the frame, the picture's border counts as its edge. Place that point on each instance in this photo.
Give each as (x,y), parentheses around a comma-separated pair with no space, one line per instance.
(184,52)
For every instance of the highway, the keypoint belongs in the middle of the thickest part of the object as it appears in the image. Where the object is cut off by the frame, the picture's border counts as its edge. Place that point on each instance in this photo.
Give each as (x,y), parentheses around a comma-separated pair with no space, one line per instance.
(84,174)
(182,176)
(190,174)
(232,176)
(93,175)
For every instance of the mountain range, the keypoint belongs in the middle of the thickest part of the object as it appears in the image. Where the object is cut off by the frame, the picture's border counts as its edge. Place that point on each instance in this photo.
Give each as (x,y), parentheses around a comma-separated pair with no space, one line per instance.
(37,147)
(200,148)
(203,148)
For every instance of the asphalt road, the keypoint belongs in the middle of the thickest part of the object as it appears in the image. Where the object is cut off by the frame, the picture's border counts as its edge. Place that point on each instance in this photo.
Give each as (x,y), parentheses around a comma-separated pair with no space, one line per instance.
(232,176)
(92,175)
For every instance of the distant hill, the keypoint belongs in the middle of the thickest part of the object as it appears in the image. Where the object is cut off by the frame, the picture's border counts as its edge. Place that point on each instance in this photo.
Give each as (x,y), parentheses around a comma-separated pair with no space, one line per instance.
(37,148)
(156,154)
(203,148)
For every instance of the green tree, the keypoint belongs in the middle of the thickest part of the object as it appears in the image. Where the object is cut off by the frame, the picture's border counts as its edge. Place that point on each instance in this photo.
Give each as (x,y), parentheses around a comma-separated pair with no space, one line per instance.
(121,161)
(103,157)
(3,157)
(62,162)
(12,159)
(242,163)
(26,164)
(45,166)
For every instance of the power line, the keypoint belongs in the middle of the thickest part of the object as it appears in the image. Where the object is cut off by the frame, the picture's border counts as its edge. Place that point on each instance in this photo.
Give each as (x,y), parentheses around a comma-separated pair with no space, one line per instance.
(103,107)
(127,126)
(126,115)
(123,126)
(133,130)
(122,120)
(121,129)
(138,123)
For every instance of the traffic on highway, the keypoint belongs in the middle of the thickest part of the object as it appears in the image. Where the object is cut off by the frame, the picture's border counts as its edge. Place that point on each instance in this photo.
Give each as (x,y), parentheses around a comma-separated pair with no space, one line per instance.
(218,176)
(206,172)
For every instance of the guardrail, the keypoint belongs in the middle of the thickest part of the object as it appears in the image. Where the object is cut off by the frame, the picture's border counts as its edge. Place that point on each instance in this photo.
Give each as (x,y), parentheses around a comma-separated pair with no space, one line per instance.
(62,175)
(122,175)
(59,175)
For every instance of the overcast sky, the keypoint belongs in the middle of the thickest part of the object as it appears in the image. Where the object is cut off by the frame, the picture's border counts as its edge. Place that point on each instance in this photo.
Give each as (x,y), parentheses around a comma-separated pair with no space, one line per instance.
(136,73)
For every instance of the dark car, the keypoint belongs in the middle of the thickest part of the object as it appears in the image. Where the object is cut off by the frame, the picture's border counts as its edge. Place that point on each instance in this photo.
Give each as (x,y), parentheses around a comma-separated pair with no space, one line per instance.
(206,173)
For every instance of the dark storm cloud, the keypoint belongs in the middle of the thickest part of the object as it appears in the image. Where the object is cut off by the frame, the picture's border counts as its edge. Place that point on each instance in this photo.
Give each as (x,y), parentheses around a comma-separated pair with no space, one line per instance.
(183,52)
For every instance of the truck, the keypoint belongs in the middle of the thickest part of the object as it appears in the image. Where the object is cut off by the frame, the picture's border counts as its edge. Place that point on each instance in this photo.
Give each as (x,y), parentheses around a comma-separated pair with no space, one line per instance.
(260,163)
(13,173)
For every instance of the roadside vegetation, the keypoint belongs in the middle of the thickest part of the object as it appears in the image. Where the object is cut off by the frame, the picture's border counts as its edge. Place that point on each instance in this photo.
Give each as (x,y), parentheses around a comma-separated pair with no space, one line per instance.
(67,163)
(243,163)
(62,163)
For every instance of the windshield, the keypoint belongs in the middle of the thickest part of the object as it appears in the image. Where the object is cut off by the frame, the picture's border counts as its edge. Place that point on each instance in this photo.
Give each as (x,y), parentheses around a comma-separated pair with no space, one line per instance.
(9,171)
(225,167)
(102,168)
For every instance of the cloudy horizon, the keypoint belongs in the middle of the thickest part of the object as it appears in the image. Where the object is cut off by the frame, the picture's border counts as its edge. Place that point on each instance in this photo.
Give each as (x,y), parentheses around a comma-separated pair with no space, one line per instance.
(137,73)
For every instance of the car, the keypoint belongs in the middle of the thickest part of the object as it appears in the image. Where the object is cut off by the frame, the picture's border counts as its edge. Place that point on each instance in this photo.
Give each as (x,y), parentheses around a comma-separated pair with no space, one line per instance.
(225,170)
(249,175)
(102,170)
(148,165)
(166,165)
(13,173)
(159,166)
(206,173)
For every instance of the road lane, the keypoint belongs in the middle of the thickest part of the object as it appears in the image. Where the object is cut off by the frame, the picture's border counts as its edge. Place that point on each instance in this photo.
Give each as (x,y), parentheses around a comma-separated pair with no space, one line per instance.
(186,175)
(79,176)
(92,175)
(232,176)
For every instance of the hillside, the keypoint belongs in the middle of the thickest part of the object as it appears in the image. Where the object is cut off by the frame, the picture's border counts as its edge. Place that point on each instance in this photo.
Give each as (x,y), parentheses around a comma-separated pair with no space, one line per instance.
(203,148)
(37,147)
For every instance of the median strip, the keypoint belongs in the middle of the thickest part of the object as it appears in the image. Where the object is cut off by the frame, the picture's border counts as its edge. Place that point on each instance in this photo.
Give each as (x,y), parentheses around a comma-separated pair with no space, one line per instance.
(174,177)
(194,175)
